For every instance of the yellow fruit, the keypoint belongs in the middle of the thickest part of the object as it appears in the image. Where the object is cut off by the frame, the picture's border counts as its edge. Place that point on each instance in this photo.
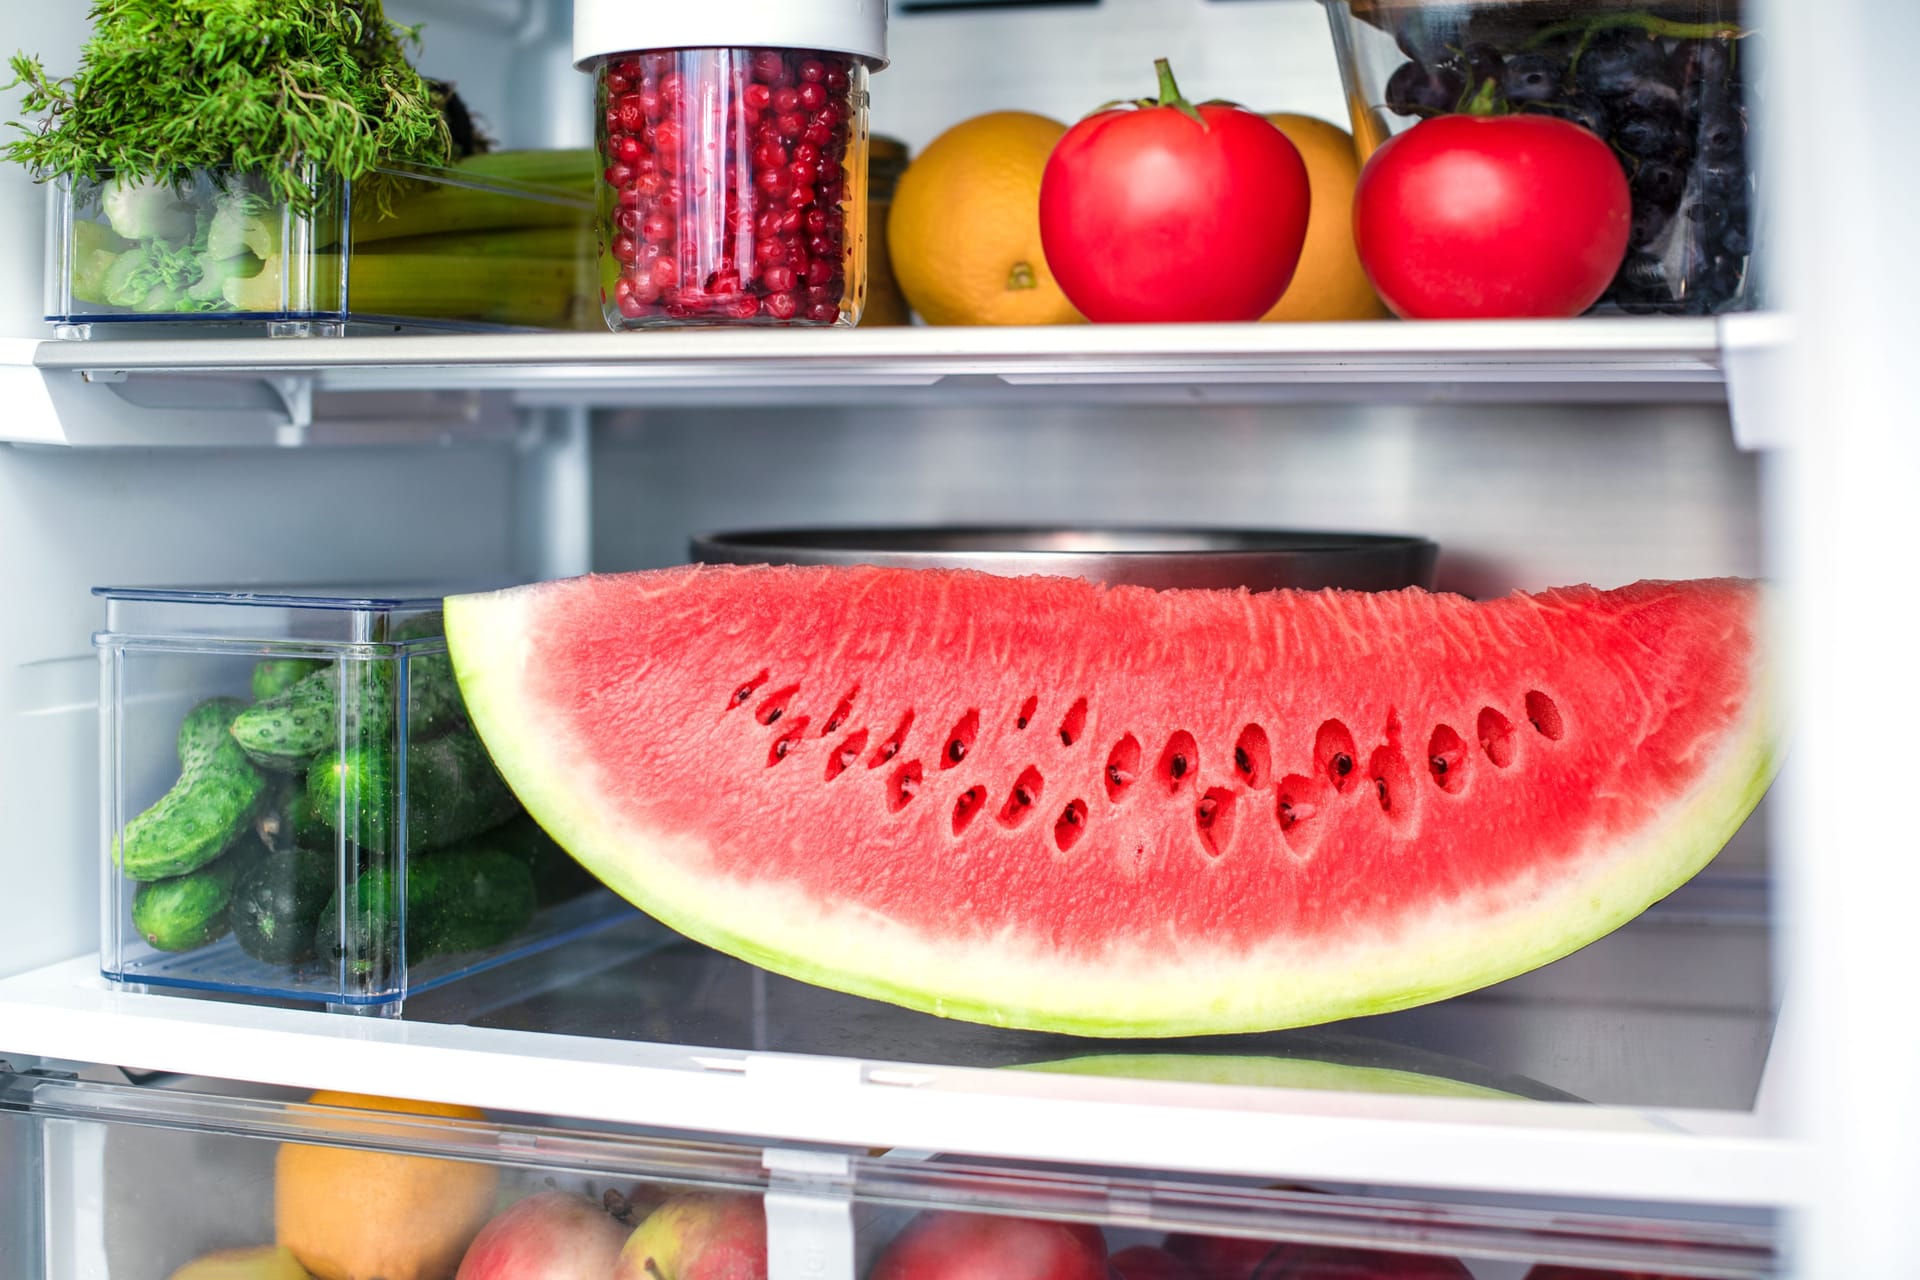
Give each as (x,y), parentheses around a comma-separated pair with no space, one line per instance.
(373,1215)
(1328,284)
(965,226)
(267,1262)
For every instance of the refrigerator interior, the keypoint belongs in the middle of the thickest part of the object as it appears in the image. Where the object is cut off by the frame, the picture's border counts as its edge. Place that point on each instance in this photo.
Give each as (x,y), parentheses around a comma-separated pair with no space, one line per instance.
(477,471)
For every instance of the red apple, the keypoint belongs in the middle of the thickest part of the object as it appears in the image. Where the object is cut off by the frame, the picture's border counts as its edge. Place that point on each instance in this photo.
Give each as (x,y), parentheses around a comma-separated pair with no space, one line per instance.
(703,1236)
(1149,1262)
(977,1246)
(1333,1262)
(554,1235)
(1220,1257)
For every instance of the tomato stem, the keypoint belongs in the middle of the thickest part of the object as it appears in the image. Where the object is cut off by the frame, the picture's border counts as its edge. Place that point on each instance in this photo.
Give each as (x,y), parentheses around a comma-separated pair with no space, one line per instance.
(1485,100)
(1170,95)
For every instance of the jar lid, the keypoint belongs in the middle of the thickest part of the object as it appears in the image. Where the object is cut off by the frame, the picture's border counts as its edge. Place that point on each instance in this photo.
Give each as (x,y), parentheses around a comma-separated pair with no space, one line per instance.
(603,27)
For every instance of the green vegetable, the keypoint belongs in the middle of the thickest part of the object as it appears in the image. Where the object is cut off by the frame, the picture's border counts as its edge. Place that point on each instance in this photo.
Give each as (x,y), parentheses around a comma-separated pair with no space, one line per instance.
(244,223)
(277,903)
(286,821)
(288,730)
(556,876)
(273,676)
(95,249)
(265,87)
(440,208)
(185,913)
(453,793)
(205,810)
(460,900)
(147,210)
(571,243)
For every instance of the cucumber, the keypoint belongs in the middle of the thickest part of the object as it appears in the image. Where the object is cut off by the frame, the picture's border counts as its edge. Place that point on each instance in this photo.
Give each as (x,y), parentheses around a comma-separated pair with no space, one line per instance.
(474,897)
(286,821)
(285,732)
(277,903)
(183,913)
(556,876)
(461,900)
(273,676)
(453,791)
(434,705)
(210,805)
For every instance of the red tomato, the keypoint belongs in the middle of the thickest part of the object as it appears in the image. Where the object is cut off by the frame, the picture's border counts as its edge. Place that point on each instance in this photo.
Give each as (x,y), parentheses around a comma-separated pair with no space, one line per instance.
(1475,217)
(1149,213)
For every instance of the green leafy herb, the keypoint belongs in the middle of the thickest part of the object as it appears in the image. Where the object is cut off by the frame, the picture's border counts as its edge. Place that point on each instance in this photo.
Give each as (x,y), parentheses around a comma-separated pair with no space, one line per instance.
(264,87)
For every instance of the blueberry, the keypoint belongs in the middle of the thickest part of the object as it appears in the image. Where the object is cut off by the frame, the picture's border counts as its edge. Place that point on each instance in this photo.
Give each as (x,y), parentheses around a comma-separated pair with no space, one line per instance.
(1658,183)
(1588,112)
(1649,221)
(1415,90)
(1707,217)
(1650,137)
(1737,241)
(1533,77)
(1723,181)
(1648,95)
(1616,59)
(1721,131)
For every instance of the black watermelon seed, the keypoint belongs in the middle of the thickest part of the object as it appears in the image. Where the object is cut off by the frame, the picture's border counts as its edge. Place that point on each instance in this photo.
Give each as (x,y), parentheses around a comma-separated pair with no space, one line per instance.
(1343,764)
(956,751)
(1179,766)
(1439,764)
(772,716)
(1241,760)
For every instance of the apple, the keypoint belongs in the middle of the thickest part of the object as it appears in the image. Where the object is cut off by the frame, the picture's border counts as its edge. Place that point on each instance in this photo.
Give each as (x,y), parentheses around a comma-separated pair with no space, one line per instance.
(1335,1262)
(554,1235)
(701,1236)
(943,1245)
(1220,1257)
(1149,1262)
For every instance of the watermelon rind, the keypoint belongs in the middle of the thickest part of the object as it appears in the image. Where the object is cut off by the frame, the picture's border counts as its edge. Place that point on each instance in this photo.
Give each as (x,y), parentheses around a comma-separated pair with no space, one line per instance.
(1193,989)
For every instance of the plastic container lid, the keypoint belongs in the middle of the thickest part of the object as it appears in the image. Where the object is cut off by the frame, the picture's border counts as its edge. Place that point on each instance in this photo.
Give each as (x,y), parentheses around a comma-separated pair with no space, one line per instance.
(603,27)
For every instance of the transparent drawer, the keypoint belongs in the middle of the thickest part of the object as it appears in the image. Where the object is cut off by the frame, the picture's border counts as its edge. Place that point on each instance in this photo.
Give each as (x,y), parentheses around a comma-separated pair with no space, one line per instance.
(144,1181)
(500,241)
(293,805)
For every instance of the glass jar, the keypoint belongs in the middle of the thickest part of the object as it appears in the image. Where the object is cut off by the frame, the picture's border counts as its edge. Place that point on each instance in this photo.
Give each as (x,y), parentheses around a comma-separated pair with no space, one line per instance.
(1666,86)
(733,149)
(886,305)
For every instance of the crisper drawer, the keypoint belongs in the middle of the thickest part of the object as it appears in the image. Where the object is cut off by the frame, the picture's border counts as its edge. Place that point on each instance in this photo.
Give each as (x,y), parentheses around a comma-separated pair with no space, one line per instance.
(150,1180)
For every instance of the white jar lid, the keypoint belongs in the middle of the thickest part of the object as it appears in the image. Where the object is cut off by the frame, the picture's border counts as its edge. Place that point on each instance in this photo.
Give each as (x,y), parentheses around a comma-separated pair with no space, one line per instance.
(603,27)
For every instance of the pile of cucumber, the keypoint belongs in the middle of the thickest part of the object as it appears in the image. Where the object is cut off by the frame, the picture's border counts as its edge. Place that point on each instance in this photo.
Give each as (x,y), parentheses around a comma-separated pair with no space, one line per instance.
(283,820)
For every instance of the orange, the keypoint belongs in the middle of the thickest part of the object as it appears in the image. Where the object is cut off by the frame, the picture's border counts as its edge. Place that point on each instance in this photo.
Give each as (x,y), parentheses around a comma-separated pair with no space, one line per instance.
(267,1262)
(965,227)
(374,1215)
(1329,283)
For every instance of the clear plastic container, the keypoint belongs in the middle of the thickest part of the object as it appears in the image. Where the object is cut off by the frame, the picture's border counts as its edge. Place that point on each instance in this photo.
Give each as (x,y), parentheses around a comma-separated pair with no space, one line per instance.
(1668,87)
(502,241)
(733,146)
(269,756)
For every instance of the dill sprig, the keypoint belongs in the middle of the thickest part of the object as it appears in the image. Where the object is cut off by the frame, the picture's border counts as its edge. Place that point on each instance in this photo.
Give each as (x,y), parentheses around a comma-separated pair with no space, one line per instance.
(269,88)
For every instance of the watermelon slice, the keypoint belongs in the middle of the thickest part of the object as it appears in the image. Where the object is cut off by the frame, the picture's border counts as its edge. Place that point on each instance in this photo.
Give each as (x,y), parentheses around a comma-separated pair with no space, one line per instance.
(1039,803)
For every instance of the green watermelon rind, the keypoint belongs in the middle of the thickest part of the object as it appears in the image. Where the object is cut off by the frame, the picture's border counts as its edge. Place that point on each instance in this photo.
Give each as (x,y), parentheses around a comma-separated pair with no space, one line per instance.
(1173,991)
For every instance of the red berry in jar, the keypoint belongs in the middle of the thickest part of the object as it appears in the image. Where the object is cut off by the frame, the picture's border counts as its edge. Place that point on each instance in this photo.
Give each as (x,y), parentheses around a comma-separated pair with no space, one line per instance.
(724,176)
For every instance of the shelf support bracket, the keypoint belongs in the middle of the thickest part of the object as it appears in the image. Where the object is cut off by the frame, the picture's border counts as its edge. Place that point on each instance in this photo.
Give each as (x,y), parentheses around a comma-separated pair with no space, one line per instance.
(809,1206)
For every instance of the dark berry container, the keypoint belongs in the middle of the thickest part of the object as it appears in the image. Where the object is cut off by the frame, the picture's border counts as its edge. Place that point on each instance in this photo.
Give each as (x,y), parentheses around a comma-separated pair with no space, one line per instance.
(733,187)
(1667,85)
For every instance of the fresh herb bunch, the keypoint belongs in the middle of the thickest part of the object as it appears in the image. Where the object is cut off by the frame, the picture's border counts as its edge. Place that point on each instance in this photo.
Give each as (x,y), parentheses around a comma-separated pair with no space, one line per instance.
(265,87)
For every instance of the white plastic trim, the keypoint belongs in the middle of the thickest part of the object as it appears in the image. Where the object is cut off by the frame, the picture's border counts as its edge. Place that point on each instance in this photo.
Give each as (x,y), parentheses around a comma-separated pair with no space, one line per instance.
(857,27)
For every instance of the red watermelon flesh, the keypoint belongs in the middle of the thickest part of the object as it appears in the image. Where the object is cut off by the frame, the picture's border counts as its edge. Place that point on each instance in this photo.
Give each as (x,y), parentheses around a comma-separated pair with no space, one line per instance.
(1037,802)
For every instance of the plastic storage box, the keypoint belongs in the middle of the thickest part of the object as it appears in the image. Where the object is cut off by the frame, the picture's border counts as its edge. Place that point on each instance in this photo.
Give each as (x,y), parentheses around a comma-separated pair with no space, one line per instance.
(1668,87)
(501,241)
(293,805)
(733,141)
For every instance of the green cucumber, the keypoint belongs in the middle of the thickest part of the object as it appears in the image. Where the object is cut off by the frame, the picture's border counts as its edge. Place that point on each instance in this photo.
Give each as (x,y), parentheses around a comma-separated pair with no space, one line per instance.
(274,676)
(556,876)
(184,913)
(453,791)
(277,904)
(285,732)
(462,900)
(474,897)
(210,804)
(287,821)
(434,705)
